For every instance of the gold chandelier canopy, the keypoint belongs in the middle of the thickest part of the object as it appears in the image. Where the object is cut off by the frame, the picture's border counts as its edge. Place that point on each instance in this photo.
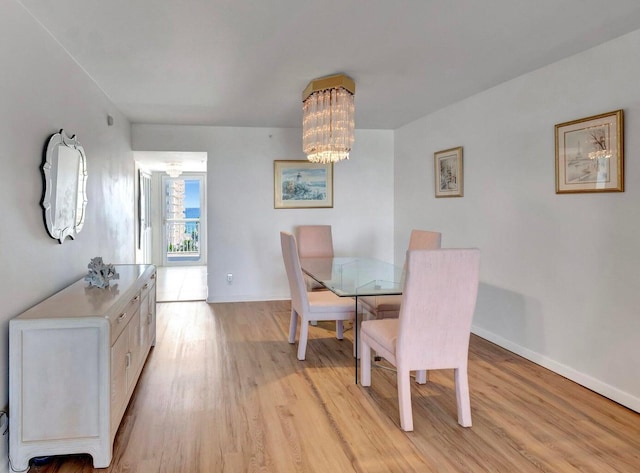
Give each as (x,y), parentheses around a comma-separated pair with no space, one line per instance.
(327,118)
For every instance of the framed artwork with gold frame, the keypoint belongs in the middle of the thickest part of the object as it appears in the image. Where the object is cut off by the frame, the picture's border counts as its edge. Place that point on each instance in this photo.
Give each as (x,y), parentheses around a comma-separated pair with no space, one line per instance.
(448,172)
(590,154)
(302,184)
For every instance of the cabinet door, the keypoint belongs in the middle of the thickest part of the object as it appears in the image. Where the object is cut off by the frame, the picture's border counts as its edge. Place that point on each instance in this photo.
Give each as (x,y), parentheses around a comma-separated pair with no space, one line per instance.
(61,376)
(144,322)
(148,313)
(119,361)
(152,311)
(151,317)
(136,351)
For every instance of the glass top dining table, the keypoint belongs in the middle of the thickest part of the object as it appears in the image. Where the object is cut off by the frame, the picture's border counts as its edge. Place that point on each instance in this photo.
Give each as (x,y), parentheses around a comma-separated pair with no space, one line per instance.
(355,277)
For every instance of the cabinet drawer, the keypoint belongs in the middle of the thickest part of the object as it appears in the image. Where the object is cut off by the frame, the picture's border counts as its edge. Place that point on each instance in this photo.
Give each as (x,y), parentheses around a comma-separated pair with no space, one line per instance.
(123,316)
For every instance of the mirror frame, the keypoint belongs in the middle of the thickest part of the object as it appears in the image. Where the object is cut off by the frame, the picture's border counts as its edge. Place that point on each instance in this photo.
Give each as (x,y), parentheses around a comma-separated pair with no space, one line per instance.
(64,197)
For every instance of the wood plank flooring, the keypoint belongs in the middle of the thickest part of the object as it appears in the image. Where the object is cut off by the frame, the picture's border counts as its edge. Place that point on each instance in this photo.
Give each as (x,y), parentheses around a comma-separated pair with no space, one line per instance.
(181,283)
(222,391)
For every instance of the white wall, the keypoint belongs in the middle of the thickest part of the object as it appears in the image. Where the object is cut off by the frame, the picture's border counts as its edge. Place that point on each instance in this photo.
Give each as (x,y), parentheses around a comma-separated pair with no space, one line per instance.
(244,227)
(559,273)
(42,90)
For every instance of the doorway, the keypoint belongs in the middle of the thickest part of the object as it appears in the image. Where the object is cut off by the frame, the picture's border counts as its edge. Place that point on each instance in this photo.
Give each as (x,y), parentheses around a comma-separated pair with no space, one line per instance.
(145,230)
(183,217)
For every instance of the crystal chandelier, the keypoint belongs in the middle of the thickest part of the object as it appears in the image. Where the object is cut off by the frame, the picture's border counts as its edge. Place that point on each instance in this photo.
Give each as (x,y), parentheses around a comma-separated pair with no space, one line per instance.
(327,119)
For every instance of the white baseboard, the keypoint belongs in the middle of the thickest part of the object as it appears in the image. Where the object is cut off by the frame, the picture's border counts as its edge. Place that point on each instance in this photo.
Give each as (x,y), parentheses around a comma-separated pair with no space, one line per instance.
(585,380)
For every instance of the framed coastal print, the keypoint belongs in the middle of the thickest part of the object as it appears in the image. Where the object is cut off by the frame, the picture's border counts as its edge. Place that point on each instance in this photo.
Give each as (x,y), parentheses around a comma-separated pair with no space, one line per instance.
(448,172)
(302,184)
(590,154)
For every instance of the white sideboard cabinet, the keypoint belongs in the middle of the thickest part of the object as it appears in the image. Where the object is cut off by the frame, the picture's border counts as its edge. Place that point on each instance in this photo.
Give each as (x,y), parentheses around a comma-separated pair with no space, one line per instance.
(74,360)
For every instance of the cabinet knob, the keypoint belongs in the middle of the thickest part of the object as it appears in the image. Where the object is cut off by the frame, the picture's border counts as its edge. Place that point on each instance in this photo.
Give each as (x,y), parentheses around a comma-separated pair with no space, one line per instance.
(121,317)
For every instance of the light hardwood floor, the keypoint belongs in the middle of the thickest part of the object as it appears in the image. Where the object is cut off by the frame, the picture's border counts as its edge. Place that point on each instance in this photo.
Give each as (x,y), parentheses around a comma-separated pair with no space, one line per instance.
(181,283)
(222,391)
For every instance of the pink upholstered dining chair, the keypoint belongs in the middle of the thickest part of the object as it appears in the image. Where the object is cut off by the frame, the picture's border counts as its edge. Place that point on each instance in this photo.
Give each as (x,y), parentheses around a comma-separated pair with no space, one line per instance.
(434,326)
(384,307)
(310,306)
(314,241)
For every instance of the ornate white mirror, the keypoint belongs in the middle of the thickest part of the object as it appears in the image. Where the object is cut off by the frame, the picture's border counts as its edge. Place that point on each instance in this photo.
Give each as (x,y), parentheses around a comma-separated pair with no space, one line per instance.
(64,197)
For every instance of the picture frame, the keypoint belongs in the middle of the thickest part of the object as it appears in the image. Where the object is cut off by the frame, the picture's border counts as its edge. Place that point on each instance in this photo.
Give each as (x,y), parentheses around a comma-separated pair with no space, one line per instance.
(590,154)
(448,172)
(302,184)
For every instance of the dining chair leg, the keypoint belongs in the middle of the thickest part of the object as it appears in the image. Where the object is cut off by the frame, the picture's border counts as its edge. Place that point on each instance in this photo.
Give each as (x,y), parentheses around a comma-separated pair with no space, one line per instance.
(365,363)
(404,399)
(339,330)
(421,376)
(304,335)
(293,326)
(462,396)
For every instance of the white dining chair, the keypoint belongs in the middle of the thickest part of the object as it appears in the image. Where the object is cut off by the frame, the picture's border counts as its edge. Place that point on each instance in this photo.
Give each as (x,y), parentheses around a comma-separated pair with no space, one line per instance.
(310,305)
(314,241)
(384,307)
(433,328)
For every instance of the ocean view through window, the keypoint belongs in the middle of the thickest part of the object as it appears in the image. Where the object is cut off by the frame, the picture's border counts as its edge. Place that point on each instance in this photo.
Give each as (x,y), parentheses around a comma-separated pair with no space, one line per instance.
(183,205)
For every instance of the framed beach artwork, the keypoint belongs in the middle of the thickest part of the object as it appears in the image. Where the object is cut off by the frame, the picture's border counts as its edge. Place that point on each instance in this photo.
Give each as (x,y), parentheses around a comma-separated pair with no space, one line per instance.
(590,154)
(302,184)
(448,172)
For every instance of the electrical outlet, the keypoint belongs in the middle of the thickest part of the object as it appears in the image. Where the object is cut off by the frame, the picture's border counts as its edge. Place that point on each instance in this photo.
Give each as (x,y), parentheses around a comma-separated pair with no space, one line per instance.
(229,278)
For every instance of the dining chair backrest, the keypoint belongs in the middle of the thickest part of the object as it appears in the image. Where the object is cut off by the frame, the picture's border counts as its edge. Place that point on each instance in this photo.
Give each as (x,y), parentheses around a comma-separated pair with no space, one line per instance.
(421,240)
(437,308)
(314,241)
(424,240)
(299,298)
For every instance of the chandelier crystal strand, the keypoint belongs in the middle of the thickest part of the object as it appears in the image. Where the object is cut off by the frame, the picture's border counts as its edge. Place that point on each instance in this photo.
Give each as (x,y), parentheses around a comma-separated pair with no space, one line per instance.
(328,125)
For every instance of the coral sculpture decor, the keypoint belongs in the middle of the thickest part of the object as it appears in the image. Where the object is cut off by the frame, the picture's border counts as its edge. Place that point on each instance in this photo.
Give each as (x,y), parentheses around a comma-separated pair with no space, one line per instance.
(100,274)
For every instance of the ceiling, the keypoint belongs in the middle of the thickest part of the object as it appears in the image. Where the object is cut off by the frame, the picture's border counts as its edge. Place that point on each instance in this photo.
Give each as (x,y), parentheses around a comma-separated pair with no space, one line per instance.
(246,62)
